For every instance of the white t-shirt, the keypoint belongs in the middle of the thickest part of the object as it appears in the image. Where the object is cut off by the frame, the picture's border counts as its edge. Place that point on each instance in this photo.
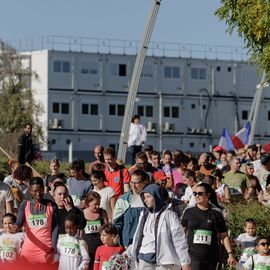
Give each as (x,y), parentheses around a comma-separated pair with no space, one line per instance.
(5,196)
(106,194)
(148,241)
(260,262)
(188,196)
(10,246)
(247,244)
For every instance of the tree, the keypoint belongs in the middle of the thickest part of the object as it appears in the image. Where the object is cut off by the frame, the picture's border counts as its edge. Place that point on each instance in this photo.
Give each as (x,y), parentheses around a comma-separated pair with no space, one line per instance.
(16,98)
(251,20)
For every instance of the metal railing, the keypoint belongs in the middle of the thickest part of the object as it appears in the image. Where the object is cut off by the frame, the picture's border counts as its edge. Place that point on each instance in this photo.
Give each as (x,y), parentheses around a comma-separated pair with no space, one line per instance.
(121,46)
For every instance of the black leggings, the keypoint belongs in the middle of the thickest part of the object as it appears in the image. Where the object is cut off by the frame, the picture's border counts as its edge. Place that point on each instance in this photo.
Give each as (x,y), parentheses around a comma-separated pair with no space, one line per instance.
(197,264)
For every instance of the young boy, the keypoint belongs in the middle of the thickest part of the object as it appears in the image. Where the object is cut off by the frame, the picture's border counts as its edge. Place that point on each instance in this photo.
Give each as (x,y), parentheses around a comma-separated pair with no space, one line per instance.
(260,260)
(71,248)
(10,243)
(247,240)
(108,233)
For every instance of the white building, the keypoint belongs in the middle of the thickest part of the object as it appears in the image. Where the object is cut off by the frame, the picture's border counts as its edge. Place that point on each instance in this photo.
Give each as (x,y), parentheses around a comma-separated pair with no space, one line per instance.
(184,102)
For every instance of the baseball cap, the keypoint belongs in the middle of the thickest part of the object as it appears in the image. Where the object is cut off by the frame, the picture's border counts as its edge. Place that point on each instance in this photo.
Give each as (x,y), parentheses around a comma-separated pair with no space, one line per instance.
(217,149)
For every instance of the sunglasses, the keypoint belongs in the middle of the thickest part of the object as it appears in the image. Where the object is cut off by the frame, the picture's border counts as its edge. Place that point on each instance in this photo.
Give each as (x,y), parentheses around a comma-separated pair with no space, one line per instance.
(263,244)
(199,193)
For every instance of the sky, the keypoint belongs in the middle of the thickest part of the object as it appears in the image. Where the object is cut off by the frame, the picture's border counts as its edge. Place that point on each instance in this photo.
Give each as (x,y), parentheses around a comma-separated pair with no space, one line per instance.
(183,21)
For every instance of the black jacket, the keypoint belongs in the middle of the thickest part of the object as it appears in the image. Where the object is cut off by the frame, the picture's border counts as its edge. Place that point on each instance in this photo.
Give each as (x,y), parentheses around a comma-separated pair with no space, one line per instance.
(25,149)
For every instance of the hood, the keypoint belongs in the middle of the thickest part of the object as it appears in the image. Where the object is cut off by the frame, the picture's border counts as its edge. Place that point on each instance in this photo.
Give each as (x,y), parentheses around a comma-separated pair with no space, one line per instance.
(158,193)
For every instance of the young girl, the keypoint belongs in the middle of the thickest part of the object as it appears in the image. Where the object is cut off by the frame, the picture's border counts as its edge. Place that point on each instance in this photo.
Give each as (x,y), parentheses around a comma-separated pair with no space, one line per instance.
(247,240)
(260,260)
(108,233)
(71,248)
(107,194)
(95,217)
(10,242)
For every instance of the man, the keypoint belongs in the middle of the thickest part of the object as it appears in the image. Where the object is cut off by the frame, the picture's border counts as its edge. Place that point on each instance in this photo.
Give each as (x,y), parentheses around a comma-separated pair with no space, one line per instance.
(128,207)
(117,176)
(78,184)
(237,181)
(264,170)
(98,153)
(25,150)
(137,137)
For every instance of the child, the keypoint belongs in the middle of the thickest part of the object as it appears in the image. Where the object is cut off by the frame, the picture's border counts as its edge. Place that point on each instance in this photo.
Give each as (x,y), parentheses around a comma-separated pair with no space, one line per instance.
(247,240)
(71,248)
(108,233)
(260,260)
(10,243)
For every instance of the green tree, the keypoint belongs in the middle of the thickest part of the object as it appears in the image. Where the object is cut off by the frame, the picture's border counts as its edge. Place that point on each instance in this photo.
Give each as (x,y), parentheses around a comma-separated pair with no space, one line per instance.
(16,98)
(251,20)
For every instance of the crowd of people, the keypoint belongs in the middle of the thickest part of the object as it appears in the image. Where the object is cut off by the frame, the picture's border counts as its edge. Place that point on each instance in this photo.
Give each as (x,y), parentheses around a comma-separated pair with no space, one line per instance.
(165,211)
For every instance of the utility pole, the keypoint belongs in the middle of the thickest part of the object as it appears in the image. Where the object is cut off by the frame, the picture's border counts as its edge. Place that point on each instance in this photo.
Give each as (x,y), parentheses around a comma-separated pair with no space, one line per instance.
(132,93)
(254,112)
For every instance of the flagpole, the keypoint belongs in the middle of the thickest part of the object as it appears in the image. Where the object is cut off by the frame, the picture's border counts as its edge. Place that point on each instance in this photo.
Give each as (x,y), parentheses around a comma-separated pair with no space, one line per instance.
(256,106)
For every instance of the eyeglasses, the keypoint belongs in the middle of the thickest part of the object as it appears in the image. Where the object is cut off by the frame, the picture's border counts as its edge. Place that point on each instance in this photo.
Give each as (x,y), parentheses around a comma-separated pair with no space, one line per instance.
(199,193)
(263,244)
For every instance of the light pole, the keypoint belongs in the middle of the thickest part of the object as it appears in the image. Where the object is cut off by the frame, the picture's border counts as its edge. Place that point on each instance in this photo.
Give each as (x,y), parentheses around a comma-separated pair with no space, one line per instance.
(136,79)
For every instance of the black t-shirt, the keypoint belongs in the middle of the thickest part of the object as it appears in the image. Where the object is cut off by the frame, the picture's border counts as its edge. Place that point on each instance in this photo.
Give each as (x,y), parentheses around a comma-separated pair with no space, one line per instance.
(203,228)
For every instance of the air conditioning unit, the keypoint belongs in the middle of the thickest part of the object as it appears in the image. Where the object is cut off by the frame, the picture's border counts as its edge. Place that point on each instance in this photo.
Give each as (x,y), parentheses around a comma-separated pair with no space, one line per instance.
(151,127)
(56,123)
(168,127)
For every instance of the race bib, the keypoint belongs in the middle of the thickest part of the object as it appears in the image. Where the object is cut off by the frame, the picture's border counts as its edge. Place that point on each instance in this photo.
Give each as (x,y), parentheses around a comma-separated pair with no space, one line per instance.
(70,249)
(261,266)
(92,226)
(37,221)
(202,237)
(105,266)
(8,253)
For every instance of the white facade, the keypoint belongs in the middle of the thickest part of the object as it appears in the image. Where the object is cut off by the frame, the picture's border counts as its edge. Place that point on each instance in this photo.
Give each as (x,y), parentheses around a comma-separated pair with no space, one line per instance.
(184,102)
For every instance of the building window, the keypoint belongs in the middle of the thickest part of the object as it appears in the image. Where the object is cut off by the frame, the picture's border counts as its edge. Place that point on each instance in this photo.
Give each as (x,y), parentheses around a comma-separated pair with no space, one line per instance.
(112,110)
(268,115)
(218,68)
(140,110)
(166,112)
(94,109)
(66,67)
(229,69)
(55,107)
(204,107)
(149,111)
(191,144)
(198,73)
(89,68)
(119,70)
(85,109)
(57,66)
(193,106)
(147,71)
(121,110)
(244,115)
(65,108)
(175,112)
(171,72)
(203,145)
(61,66)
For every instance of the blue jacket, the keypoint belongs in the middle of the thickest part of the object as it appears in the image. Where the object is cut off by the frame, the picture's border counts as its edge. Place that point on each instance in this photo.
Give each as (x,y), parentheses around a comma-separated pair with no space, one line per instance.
(126,218)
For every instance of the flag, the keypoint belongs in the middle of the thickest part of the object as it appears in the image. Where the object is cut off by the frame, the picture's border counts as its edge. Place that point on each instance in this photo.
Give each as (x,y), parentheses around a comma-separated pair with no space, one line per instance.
(225,141)
(240,139)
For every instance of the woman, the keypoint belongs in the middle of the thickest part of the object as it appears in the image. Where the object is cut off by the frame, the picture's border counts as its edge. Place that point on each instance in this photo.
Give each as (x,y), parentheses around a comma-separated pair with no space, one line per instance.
(65,206)
(95,217)
(40,219)
(159,241)
(107,194)
(205,225)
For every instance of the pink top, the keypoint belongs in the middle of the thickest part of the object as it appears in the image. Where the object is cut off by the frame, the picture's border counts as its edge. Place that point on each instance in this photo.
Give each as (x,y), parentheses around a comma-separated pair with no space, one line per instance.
(177,180)
(38,241)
